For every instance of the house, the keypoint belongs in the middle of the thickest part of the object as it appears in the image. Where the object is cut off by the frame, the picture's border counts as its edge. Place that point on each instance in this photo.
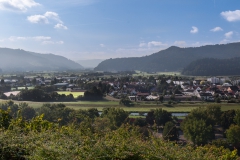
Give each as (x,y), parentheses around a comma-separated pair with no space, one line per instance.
(226,85)
(189,92)
(197,82)
(206,96)
(232,89)
(142,96)
(150,97)
(132,98)
(60,85)
(213,80)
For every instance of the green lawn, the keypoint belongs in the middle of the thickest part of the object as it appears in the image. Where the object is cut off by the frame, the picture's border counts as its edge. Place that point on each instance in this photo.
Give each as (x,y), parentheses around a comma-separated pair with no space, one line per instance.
(141,107)
(21,88)
(75,94)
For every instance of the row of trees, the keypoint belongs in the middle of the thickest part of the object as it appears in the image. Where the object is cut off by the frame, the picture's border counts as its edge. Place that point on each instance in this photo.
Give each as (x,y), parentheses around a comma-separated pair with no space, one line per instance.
(40,95)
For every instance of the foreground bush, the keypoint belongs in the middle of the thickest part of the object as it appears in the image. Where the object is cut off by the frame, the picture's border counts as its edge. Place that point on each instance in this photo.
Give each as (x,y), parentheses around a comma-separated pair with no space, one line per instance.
(78,143)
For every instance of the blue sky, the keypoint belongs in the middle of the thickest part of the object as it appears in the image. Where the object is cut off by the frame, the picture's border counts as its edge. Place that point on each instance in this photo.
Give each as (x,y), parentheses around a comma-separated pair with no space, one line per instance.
(101,29)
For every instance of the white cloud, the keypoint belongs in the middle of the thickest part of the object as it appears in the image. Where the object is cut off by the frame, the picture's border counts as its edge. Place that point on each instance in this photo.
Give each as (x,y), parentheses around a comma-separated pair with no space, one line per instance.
(37,38)
(53,15)
(47,42)
(224,41)
(41,38)
(155,44)
(60,26)
(52,42)
(180,43)
(102,45)
(142,44)
(17,5)
(229,34)
(216,29)
(60,42)
(196,44)
(13,38)
(38,19)
(231,16)
(46,18)
(194,30)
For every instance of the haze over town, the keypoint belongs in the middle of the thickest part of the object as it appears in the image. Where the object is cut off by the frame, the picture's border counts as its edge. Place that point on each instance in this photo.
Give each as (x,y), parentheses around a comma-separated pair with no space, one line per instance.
(102,29)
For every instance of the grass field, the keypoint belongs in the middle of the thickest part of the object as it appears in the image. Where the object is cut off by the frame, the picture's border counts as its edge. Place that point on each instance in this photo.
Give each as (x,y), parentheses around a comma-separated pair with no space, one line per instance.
(141,107)
(139,73)
(75,94)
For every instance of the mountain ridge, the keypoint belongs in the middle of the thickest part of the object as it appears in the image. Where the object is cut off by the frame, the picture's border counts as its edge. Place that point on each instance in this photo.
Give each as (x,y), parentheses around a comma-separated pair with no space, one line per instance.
(21,60)
(171,59)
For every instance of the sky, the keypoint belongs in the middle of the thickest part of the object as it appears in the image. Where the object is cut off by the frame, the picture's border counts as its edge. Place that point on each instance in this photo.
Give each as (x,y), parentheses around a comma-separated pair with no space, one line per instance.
(103,29)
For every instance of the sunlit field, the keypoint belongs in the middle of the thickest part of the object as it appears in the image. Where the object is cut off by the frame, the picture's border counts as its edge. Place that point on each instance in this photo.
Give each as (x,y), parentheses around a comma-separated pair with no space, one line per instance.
(75,94)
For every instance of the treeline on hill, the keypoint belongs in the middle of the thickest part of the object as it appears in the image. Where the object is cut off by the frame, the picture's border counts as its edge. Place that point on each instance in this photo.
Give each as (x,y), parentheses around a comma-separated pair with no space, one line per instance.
(213,67)
(171,59)
(57,132)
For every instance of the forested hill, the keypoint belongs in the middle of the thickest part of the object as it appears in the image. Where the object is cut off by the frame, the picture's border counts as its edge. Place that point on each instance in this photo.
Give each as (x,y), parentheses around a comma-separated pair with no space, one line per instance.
(171,59)
(20,60)
(213,67)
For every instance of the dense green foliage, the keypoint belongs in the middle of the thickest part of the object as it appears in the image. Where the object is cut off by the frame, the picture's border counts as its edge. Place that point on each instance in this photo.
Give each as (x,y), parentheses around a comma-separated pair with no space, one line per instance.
(171,59)
(40,139)
(213,67)
(233,135)
(57,132)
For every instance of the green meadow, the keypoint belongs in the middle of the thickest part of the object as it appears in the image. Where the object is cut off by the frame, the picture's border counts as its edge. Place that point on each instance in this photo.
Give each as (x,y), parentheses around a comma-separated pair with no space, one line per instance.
(139,107)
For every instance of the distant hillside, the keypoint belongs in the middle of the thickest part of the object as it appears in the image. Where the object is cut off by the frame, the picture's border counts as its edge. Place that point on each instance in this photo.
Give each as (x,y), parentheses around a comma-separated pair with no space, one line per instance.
(20,60)
(171,59)
(90,63)
(213,67)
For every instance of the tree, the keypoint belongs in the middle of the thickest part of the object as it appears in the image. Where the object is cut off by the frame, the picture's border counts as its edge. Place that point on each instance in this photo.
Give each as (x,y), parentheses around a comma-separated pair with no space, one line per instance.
(161,99)
(150,118)
(198,125)
(5,119)
(161,116)
(170,132)
(237,117)
(227,118)
(140,122)
(125,101)
(34,81)
(197,131)
(28,113)
(214,112)
(233,134)
(2,81)
(116,116)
